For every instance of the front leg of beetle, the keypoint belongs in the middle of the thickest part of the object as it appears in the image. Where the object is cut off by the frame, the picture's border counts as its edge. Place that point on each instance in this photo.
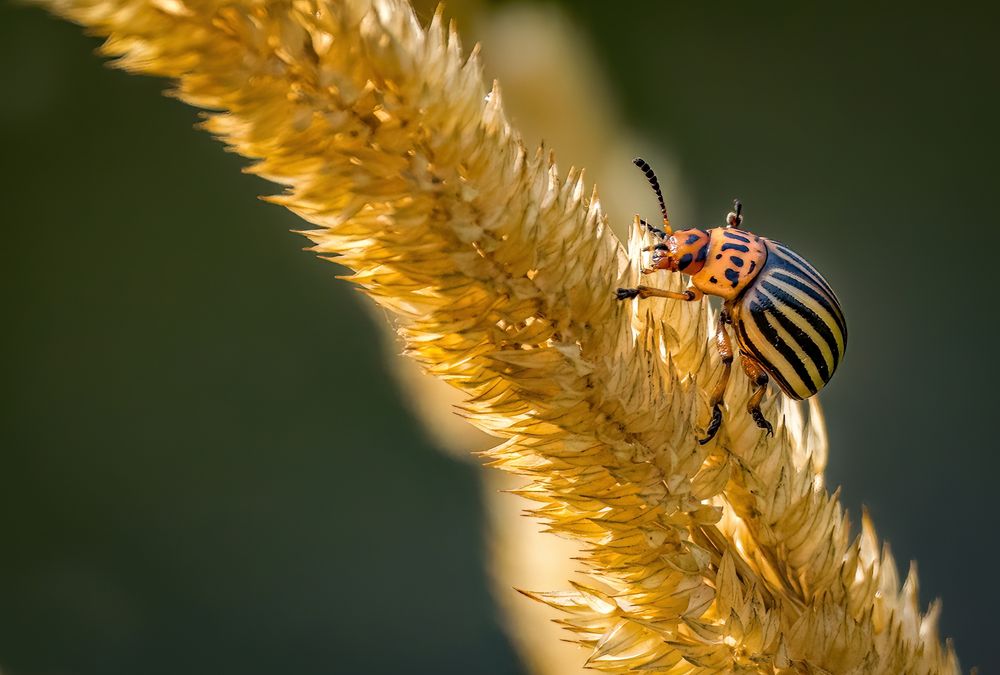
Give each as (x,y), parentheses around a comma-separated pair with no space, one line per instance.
(641,292)
(726,354)
(759,378)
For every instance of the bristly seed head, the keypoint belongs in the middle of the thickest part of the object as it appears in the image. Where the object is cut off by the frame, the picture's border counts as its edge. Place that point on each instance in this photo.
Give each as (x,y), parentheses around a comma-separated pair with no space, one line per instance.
(501,277)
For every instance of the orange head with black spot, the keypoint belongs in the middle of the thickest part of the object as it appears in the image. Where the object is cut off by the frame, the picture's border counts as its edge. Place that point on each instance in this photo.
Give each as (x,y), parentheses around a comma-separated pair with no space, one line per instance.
(683,251)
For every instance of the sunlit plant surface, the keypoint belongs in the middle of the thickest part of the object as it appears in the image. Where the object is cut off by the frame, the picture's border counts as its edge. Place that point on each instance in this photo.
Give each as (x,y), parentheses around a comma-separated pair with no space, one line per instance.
(500,272)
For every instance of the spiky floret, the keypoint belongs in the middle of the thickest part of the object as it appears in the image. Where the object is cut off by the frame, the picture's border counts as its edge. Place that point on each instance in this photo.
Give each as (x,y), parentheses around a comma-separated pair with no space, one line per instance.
(500,272)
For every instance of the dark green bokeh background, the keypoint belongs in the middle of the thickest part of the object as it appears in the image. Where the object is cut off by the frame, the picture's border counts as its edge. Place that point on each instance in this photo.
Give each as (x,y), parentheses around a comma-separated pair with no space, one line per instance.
(206,467)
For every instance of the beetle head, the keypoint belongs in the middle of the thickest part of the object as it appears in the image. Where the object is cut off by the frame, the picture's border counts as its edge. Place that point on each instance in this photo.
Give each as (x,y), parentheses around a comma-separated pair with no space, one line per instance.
(683,251)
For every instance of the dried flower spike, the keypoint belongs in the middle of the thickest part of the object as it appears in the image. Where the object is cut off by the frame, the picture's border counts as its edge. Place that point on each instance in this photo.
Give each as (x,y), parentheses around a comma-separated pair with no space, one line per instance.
(725,557)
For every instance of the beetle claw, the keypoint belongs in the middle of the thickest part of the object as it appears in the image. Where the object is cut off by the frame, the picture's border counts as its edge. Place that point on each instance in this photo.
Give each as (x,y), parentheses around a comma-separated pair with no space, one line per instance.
(713,425)
(758,418)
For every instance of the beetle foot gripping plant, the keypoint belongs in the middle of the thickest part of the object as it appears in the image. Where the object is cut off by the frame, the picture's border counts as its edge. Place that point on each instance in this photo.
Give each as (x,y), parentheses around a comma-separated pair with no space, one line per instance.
(723,557)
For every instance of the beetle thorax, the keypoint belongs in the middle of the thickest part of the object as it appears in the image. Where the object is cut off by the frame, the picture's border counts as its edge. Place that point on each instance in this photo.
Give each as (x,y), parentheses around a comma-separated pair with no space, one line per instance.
(735,258)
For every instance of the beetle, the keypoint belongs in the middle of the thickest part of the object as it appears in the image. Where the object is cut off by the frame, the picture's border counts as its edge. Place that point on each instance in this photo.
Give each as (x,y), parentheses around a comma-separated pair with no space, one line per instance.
(788,322)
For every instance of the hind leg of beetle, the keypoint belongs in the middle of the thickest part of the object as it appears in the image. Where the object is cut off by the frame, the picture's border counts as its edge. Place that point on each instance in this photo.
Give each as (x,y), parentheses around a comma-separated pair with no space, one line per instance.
(641,292)
(759,380)
(726,353)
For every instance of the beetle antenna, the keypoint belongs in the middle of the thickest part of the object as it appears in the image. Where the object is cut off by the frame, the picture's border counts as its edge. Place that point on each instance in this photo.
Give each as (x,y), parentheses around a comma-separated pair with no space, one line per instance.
(655,184)
(735,218)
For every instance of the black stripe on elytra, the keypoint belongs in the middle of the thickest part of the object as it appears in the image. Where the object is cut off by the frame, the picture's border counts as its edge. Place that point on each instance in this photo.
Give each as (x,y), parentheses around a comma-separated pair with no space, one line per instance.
(732,235)
(813,319)
(768,366)
(809,276)
(735,247)
(753,264)
(702,254)
(759,314)
(736,260)
(733,276)
(821,298)
(800,260)
(806,343)
(808,267)
(684,262)
(806,271)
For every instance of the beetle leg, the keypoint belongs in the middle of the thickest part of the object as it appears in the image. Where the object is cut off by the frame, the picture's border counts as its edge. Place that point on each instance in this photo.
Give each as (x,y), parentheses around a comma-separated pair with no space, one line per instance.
(640,292)
(759,379)
(726,353)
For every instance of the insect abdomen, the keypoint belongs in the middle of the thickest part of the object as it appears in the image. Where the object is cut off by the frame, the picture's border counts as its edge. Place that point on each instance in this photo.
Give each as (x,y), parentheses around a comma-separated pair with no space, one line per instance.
(791,321)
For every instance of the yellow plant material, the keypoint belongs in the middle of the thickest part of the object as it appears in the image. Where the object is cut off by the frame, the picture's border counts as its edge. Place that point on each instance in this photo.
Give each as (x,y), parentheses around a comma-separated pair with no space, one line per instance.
(728,557)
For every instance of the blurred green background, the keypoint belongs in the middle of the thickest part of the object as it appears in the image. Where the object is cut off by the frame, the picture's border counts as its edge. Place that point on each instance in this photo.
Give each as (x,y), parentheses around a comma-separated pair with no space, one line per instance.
(207,467)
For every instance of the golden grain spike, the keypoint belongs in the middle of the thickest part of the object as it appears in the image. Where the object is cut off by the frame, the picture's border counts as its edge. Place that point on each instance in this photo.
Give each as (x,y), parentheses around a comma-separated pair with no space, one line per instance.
(716,558)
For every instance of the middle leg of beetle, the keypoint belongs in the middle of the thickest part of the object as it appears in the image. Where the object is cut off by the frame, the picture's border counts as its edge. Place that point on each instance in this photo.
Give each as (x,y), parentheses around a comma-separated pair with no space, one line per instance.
(759,379)
(725,348)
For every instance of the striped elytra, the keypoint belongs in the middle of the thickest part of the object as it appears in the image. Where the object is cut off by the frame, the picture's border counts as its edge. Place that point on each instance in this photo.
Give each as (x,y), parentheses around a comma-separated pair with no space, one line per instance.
(788,322)
(791,321)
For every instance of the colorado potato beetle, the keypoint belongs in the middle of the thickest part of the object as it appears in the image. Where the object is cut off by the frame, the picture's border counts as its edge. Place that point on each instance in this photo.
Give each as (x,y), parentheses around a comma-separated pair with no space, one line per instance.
(788,322)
